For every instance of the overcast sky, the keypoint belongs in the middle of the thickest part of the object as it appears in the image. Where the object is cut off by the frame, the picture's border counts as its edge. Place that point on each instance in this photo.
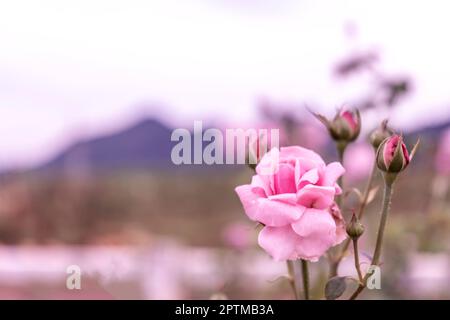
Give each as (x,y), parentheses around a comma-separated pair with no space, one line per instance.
(71,68)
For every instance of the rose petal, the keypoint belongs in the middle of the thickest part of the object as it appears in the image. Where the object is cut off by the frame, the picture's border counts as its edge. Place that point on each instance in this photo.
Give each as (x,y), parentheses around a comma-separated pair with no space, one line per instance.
(318,233)
(279,242)
(314,221)
(309,177)
(350,119)
(277,213)
(259,182)
(297,171)
(269,163)
(331,174)
(284,180)
(338,189)
(341,233)
(312,196)
(289,198)
(249,200)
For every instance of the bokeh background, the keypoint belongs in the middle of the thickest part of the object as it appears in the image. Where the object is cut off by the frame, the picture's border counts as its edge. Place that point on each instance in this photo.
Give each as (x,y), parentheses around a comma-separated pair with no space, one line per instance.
(90,92)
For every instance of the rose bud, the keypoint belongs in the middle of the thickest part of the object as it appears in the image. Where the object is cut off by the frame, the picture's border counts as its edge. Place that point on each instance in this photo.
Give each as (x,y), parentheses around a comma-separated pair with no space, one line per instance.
(379,134)
(392,155)
(354,228)
(344,127)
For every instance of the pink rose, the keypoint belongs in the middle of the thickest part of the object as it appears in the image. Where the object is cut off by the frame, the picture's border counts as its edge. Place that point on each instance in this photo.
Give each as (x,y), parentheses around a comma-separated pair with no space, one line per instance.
(295,203)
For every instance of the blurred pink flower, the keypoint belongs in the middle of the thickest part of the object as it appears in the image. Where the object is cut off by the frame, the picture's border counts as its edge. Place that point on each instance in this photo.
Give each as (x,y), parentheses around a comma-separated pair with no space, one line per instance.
(237,235)
(428,274)
(443,154)
(294,203)
(270,125)
(312,137)
(358,161)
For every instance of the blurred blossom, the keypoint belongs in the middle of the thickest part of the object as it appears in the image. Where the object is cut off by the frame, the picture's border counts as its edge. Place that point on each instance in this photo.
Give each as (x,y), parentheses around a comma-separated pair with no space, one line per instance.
(312,137)
(270,125)
(204,271)
(238,235)
(358,161)
(259,269)
(282,117)
(443,154)
(162,282)
(356,63)
(395,89)
(428,274)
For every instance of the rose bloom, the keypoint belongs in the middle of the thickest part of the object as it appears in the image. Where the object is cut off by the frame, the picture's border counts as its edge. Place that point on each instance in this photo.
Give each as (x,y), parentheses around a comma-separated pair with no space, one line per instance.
(295,203)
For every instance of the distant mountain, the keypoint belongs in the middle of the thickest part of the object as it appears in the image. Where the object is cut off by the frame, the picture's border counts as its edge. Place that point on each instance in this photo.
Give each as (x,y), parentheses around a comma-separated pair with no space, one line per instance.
(144,145)
(147,145)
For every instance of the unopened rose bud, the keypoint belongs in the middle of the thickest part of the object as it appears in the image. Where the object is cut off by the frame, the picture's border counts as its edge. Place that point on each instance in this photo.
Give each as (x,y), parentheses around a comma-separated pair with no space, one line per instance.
(380,134)
(354,228)
(392,155)
(345,126)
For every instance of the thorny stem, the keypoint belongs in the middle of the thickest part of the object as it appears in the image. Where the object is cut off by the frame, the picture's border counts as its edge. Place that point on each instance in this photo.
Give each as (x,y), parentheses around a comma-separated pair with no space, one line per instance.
(291,271)
(357,264)
(389,180)
(334,264)
(341,146)
(362,207)
(305,276)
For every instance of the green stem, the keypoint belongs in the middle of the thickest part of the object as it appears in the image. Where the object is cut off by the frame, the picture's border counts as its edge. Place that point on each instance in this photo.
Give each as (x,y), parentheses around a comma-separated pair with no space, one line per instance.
(384,216)
(335,265)
(305,276)
(357,264)
(341,146)
(291,271)
(389,181)
(363,205)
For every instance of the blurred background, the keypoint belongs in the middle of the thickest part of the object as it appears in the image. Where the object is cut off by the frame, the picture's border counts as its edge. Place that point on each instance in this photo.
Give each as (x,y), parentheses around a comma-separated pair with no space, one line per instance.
(90,92)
